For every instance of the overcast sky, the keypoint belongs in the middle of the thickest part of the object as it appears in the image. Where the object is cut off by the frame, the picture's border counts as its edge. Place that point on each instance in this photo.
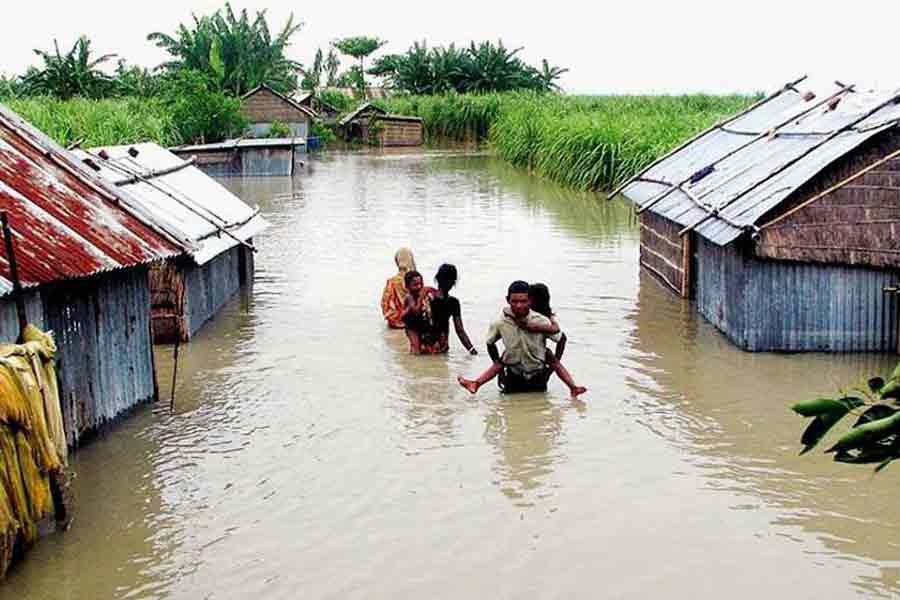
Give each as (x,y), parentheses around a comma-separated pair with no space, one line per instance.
(628,46)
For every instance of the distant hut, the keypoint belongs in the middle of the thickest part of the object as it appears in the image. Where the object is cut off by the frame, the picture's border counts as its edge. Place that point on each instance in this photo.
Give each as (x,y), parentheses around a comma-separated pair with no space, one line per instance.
(263,106)
(83,251)
(323,111)
(374,125)
(784,222)
(189,290)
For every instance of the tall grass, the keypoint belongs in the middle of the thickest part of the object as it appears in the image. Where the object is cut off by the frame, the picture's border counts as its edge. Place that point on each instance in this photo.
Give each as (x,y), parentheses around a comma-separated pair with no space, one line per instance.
(99,122)
(587,142)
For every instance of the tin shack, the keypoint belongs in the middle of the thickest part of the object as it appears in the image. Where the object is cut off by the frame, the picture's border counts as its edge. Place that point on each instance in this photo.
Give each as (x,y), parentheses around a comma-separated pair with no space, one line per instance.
(247,157)
(84,250)
(782,222)
(189,290)
(263,106)
(374,125)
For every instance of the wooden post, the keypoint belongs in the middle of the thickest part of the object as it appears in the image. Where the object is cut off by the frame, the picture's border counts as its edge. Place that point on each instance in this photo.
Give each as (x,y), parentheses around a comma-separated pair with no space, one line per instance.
(686,266)
(14,273)
(153,361)
(175,371)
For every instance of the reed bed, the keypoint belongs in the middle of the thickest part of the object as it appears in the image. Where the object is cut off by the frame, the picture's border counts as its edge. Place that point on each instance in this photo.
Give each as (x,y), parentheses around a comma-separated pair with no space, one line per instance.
(586,142)
(99,122)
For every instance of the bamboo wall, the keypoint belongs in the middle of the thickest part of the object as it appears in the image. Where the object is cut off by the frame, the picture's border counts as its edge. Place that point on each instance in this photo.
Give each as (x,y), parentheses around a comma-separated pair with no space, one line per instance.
(264,107)
(857,224)
(399,132)
(765,305)
(102,328)
(664,253)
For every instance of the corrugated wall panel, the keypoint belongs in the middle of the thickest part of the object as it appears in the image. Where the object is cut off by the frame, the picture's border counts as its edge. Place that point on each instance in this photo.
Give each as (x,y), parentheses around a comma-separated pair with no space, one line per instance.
(209,287)
(9,318)
(796,307)
(103,332)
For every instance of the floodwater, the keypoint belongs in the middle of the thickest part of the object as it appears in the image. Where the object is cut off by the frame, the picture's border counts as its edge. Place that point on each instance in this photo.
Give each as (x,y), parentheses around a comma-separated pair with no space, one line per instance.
(309,456)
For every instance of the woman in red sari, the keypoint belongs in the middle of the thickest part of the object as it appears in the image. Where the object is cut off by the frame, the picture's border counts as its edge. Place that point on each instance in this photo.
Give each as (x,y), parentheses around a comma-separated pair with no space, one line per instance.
(394,293)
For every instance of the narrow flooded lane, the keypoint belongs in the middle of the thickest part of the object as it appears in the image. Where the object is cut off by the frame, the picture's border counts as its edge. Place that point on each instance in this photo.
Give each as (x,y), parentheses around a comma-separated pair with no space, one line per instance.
(310,456)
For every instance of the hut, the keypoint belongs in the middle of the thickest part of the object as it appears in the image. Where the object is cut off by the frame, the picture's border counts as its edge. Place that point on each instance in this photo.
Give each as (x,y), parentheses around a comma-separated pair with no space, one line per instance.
(782,222)
(84,250)
(189,290)
(374,125)
(323,111)
(263,106)
(247,157)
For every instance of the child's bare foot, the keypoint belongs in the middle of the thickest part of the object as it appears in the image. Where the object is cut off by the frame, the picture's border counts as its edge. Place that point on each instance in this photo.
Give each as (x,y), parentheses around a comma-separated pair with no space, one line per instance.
(471,386)
(577,391)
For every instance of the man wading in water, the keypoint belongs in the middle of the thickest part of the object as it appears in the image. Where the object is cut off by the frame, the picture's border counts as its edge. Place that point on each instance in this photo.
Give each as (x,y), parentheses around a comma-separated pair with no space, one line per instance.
(526,364)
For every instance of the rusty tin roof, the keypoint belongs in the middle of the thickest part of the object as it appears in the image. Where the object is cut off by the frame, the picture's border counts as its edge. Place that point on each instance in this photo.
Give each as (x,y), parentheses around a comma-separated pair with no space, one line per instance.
(66,221)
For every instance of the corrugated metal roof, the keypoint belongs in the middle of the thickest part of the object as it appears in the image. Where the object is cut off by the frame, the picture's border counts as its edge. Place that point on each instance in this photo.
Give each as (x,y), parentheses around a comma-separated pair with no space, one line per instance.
(191,204)
(66,221)
(241,144)
(722,182)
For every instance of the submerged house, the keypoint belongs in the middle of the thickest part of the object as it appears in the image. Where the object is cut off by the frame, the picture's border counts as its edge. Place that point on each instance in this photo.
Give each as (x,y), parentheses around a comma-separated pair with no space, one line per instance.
(374,125)
(188,290)
(263,106)
(322,109)
(84,250)
(783,223)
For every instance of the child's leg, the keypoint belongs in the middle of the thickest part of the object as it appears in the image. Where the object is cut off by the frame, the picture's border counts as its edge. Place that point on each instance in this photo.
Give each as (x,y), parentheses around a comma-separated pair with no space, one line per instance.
(415,344)
(563,373)
(472,385)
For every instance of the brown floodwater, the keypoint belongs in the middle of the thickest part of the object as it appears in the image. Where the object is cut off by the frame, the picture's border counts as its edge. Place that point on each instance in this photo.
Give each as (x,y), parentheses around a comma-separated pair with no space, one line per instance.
(309,456)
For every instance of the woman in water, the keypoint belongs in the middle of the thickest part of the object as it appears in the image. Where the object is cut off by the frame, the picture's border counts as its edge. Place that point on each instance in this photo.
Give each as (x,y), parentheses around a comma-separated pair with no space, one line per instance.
(394,294)
(428,316)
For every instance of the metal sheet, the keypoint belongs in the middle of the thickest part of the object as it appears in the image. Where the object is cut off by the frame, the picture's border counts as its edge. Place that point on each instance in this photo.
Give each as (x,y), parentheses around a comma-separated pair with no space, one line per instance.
(192,205)
(67,223)
(753,180)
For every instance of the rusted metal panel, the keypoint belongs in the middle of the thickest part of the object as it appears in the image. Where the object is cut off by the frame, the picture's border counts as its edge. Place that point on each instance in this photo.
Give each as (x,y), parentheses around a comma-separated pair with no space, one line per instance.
(764,305)
(67,223)
(103,332)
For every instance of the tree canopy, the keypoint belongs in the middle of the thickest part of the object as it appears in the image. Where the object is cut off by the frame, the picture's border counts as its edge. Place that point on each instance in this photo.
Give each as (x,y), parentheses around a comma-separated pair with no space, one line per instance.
(236,51)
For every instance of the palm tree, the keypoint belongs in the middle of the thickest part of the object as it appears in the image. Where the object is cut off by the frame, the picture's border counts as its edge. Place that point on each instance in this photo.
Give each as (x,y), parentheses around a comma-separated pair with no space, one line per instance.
(236,51)
(75,73)
(548,76)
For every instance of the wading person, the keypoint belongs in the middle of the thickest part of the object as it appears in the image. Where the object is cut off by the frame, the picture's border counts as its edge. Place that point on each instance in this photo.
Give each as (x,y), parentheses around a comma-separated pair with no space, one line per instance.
(415,314)
(441,307)
(394,294)
(525,365)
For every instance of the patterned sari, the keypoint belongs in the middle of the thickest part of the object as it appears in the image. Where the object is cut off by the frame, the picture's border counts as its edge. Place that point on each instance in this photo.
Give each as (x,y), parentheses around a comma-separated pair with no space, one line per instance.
(394,293)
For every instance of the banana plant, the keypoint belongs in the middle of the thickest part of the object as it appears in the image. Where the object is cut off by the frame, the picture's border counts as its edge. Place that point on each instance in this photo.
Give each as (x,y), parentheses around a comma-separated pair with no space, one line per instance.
(874,436)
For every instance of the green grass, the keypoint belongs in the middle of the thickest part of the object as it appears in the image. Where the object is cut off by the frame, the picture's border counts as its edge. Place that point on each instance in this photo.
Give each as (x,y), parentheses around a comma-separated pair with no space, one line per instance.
(587,142)
(99,122)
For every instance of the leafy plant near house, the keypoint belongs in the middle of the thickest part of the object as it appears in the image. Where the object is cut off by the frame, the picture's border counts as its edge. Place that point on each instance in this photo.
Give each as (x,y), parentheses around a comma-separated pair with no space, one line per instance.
(70,74)
(200,111)
(359,47)
(279,130)
(235,51)
(874,436)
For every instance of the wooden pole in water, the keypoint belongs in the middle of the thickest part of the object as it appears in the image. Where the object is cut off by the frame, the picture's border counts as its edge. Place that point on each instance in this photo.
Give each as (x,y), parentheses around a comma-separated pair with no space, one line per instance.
(14,273)
(175,372)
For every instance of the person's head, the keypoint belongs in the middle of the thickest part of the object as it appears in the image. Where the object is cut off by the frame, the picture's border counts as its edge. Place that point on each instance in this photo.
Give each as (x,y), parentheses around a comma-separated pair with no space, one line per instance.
(446,277)
(517,297)
(404,260)
(540,299)
(413,282)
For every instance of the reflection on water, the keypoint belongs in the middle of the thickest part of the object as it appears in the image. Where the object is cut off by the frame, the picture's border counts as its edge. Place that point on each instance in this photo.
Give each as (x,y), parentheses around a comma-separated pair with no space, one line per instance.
(309,455)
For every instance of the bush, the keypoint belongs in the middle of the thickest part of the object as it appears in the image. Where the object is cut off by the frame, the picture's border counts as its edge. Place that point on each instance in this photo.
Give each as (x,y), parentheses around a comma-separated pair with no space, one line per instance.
(279,130)
(201,113)
(323,132)
(341,101)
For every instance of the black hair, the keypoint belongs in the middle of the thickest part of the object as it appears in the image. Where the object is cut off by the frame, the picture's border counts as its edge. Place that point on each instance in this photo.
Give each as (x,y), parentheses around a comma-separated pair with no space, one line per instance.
(517,287)
(446,277)
(409,276)
(540,299)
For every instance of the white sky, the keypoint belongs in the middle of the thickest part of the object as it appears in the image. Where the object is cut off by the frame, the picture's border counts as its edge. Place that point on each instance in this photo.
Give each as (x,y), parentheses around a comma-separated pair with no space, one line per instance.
(628,46)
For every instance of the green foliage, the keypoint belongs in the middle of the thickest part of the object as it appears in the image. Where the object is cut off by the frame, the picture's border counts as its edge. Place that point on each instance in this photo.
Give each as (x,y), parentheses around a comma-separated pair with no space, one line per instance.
(100,122)
(70,74)
(874,437)
(236,52)
(279,130)
(11,86)
(136,81)
(324,133)
(332,64)
(586,142)
(201,112)
(341,101)
(353,78)
(484,67)
(312,77)
(359,47)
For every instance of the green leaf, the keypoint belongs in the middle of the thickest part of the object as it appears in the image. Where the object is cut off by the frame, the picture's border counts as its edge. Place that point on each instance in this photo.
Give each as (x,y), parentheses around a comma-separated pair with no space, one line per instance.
(874,413)
(817,430)
(868,433)
(819,406)
(215,60)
